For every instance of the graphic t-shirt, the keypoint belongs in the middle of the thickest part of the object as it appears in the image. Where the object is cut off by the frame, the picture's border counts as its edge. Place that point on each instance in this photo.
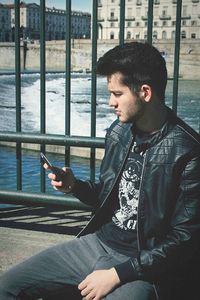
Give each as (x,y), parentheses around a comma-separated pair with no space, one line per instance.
(120,233)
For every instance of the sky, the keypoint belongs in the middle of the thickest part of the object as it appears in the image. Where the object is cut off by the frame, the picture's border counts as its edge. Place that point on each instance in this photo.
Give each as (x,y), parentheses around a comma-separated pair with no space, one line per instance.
(83,5)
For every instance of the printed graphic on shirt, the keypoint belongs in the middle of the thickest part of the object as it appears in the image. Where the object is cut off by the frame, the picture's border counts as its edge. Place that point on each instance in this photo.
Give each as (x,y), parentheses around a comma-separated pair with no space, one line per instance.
(126,216)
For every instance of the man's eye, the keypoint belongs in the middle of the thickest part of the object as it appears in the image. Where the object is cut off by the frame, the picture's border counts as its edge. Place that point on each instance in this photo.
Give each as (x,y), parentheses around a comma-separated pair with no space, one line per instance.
(117,94)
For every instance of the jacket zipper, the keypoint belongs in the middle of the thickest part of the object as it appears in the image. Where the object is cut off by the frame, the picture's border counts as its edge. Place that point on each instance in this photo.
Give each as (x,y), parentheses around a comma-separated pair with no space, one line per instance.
(138,235)
(143,167)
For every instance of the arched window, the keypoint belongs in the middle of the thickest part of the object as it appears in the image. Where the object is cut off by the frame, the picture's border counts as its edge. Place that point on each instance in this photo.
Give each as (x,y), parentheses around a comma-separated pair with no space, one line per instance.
(100,31)
(112,35)
(173,34)
(164,35)
(155,35)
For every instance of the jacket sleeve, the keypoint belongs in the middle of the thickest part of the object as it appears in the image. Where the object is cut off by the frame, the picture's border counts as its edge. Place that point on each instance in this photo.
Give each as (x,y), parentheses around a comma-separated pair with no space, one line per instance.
(87,192)
(182,241)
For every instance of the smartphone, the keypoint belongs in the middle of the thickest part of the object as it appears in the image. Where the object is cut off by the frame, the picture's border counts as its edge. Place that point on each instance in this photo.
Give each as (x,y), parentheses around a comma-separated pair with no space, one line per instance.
(55,170)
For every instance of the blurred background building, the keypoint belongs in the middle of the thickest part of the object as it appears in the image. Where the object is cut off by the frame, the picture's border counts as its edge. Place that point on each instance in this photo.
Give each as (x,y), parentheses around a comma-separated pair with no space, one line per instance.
(164,19)
(30,23)
(136,19)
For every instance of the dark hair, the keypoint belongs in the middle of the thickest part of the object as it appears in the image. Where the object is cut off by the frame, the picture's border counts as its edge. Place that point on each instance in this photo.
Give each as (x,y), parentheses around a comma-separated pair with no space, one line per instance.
(140,63)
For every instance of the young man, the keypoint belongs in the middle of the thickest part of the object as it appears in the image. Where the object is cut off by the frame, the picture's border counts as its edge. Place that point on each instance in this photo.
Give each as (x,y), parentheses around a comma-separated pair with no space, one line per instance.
(143,241)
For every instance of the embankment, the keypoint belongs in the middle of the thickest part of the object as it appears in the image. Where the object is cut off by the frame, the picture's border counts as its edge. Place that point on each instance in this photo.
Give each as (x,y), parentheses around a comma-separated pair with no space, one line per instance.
(81,56)
(74,151)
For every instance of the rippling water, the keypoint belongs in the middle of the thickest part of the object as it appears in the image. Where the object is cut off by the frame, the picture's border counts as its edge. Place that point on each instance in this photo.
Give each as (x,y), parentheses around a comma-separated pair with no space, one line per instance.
(31,169)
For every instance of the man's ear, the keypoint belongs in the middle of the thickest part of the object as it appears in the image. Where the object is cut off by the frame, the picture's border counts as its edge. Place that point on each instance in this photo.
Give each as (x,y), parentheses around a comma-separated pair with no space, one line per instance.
(146,92)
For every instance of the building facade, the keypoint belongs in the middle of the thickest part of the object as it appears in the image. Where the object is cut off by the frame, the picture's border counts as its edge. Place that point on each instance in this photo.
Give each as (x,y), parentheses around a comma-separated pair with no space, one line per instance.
(5,23)
(55,22)
(136,18)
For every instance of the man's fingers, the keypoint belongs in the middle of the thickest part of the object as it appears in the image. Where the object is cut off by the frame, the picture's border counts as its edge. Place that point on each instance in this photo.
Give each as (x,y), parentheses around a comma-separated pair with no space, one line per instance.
(52,176)
(56,183)
(86,291)
(82,285)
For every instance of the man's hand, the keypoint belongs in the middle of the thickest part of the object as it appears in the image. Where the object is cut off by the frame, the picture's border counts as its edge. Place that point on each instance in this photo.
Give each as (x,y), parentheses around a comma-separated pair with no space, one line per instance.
(67,183)
(98,284)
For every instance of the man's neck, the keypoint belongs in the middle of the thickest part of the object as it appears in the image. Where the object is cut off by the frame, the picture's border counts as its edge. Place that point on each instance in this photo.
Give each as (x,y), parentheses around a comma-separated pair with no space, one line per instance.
(152,120)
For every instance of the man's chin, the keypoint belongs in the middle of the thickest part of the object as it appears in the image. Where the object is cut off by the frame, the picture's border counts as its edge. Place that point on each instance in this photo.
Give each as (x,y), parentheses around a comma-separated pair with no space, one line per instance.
(124,120)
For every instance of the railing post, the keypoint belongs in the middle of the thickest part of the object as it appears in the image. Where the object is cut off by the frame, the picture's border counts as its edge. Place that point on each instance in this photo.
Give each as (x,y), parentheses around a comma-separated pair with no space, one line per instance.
(68,79)
(150,21)
(42,84)
(122,22)
(18,92)
(93,86)
(176,56)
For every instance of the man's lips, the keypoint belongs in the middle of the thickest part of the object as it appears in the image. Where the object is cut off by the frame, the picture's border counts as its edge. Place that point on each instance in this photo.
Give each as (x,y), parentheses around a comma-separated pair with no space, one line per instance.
(118,113)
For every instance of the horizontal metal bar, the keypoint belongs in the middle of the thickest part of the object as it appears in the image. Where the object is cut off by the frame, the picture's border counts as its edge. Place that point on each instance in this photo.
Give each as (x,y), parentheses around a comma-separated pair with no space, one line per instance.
(36,199)
(52,139)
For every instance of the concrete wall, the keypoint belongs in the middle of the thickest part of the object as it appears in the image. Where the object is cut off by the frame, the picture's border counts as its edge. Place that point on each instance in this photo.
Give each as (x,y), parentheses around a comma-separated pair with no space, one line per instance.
(81,56)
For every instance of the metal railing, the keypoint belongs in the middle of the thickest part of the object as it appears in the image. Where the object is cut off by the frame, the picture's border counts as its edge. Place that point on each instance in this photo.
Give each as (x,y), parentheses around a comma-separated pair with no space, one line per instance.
(42,198)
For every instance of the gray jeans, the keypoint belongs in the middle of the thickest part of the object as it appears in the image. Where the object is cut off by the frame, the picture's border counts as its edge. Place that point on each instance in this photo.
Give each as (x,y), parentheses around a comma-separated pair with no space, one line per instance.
(54,269)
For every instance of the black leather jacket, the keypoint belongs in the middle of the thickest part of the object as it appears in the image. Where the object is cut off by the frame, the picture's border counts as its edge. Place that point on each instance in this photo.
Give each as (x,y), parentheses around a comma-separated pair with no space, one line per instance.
(168,224)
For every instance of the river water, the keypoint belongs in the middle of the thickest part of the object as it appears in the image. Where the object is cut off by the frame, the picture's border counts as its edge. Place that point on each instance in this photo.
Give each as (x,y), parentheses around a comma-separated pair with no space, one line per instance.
(188,109)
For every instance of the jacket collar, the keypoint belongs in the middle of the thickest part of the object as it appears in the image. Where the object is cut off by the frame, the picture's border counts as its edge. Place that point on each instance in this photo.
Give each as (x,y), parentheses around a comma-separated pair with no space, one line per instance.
(160,134)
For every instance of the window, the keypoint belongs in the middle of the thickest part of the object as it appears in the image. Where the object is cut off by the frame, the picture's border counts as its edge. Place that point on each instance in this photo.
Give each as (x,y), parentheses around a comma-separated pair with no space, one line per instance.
(99,14)
(193,35)
(155,35)
(112,36)
(155,24)
(173,34)
(164,12)
(129,12)
(112,13)
(184,10)
(138,11)
(139,2)
(194,9)
(183,34)
(194,23)
(129,24)
(164,35)
(128,35)
(137,36)
(156,11)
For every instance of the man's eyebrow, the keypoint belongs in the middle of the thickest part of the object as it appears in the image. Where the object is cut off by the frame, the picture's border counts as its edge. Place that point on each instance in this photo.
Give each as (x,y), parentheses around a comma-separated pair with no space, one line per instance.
(115,91)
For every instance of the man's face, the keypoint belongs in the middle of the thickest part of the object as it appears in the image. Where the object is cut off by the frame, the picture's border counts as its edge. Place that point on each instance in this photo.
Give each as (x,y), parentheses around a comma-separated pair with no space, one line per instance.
(128,106)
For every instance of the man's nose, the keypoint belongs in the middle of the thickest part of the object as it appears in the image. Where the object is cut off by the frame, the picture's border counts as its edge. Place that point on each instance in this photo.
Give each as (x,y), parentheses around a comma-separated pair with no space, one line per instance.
(112,101)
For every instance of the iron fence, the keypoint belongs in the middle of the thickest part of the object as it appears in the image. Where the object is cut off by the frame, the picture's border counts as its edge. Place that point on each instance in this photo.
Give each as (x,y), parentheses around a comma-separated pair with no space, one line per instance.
(66,140)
